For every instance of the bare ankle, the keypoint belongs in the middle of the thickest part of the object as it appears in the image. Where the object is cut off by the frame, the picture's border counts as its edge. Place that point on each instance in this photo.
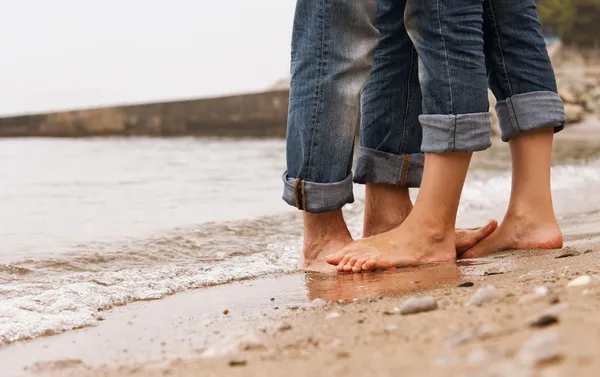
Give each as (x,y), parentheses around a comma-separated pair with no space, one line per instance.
(386,207)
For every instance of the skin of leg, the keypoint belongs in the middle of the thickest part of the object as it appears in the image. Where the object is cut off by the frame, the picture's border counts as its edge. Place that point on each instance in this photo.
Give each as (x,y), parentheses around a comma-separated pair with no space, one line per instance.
(333,42)
(519,66)
(529,222)
(428,233)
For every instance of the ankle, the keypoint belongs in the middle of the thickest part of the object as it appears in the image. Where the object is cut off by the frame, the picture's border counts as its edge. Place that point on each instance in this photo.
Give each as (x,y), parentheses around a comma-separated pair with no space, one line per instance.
(324,226)
(436,229)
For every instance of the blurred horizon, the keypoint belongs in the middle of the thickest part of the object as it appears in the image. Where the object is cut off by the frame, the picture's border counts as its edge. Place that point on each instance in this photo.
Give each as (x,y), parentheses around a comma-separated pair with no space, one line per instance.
(72,55)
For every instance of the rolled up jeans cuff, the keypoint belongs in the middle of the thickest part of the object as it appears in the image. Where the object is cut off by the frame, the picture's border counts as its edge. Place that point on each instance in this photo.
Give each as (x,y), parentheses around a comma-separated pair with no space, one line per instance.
(456,133)
(373,166)
(317,197)
(530,111)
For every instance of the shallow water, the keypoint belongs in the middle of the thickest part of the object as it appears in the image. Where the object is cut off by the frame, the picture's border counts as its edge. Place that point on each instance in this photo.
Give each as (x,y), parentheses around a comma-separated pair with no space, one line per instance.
(88,224)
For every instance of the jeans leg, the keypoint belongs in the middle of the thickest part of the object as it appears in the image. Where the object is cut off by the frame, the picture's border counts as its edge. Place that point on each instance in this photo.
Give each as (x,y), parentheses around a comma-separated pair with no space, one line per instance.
(448,35)
(332,54)
(390,133)
(520,72)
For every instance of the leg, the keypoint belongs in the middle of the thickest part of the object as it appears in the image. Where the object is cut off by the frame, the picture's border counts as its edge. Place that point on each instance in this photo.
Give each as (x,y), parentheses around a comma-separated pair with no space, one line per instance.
(332,47)
(529,111)
(449,39)
(389,158)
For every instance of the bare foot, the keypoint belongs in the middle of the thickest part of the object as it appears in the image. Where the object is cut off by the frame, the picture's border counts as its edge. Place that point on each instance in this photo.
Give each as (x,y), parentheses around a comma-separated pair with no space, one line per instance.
(324,234)
(468,238)
(314,254)
(519,232)
(413,243)
(387,206)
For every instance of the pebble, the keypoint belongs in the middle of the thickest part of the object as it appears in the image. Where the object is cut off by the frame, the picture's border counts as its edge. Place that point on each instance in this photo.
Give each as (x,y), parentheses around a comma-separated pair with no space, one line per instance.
(538,294)
(544,321)
(467,284)
(541,347)
(588,251)
(493,271)
(334,315)
(567,253)
(361,320)
(418,305)
(272,298)
(226,311)
(555,310)
(284,327)
(394,311)
(318,302)
(580,281)
(238,362)
(343,355)
(484,295)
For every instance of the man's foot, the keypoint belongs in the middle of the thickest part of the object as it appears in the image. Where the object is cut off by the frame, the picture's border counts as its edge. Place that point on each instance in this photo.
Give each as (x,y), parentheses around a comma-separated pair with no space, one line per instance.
(324,234)
(519,232)
(415,242)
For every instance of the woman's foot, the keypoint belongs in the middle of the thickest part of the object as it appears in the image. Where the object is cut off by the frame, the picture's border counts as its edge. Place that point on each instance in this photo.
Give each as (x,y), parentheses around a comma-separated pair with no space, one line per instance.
(417,241)
(519,232)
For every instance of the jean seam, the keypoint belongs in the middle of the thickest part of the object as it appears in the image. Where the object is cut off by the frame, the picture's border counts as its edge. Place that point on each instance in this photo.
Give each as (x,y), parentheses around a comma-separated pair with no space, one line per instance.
(405,167)
(513,116)
(296,193)
(495,23)
(454,133)
(408,100)
(446,54)
(303,196)
(316,108)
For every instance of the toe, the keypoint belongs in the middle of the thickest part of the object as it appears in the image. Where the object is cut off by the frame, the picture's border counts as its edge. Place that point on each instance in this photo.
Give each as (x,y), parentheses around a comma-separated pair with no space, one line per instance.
(369,264)
(468,238)
(335,258)
(357,267)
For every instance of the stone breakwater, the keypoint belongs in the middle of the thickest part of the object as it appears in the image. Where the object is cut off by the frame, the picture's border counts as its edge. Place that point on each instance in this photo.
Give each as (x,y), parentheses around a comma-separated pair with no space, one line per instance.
(252,115)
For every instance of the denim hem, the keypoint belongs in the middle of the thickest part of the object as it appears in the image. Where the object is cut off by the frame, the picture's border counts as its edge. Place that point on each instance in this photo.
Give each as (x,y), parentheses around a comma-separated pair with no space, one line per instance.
(373,166)
(456,133)
(530,111)
(317,197)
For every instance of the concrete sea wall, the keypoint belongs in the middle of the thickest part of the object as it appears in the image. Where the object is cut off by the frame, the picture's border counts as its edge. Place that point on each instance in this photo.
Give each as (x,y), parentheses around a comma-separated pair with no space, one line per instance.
(252,115)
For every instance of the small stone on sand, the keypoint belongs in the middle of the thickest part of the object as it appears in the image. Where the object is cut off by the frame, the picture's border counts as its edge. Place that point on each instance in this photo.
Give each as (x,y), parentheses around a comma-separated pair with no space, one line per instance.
(418,305)
(542,347)
(555,310)
(580,281)
(226,311)
(318,302)
(394,311)
(272,298)
(568,252)
(284,327)
(493,271)
(238,363)
(484,295)
(467,284)
(342,355)
(544,321)
(588,251)
(334,315)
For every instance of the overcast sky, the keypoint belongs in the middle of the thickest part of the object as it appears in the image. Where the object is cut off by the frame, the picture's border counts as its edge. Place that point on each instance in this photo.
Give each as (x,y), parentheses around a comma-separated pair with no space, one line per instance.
(62,54)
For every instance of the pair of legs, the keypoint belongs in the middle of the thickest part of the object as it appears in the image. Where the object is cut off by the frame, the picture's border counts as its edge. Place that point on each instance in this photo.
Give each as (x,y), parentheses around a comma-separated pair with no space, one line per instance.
(332,56)
(456,41)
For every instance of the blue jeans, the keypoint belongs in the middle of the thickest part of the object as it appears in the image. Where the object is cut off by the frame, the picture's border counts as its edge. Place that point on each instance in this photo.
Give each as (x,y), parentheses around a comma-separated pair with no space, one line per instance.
(337,53)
